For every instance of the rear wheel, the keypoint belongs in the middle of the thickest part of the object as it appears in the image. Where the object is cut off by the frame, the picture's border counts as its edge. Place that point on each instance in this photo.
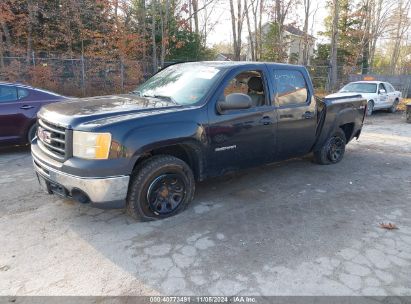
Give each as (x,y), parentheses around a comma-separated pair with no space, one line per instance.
(370,107)
(32,133)
(333,149)
(393,108)
(160,187)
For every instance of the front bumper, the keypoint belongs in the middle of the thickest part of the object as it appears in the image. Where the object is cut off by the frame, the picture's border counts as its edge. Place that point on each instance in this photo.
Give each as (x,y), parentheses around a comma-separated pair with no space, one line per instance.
(100,191)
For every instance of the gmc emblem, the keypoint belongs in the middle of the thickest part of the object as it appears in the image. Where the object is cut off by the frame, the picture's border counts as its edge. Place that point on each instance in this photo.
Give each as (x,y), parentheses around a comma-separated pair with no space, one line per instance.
(44,135)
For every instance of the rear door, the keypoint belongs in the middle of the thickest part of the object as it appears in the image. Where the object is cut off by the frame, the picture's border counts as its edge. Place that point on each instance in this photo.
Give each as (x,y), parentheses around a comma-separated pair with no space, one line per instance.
(10,117)
(296,112)
(383,97)
(391,93)
(18,109)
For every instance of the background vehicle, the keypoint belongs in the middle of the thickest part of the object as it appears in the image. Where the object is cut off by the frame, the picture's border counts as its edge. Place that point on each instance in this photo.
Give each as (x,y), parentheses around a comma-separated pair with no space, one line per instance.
(379,95)
(191,121)
(19,105)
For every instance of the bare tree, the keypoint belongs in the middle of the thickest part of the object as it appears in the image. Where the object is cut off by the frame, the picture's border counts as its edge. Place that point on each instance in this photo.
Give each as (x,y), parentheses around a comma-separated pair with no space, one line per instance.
(400,28)
(281,10)
(208,19)
(374,16)
(164,30)
(380,14)
(194,3)
(251,39)
(260,28)
(237,25)
(304,45)
(254,26)
(153,35)
(334,45)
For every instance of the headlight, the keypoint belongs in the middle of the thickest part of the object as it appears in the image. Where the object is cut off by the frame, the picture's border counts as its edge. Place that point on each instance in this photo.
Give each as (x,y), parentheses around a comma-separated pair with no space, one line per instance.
(91,145)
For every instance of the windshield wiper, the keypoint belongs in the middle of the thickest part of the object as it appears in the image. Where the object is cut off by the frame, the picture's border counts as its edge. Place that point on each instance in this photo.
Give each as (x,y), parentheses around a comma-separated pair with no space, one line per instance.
(164,97)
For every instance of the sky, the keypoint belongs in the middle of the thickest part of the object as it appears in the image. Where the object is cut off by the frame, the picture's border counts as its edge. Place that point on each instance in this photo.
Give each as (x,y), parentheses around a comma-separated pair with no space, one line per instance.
(220,14)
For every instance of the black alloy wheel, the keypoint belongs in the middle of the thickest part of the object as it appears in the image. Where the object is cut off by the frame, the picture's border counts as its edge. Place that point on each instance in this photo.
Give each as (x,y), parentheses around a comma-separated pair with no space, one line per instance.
(161,186)
(336,149)
(166,193)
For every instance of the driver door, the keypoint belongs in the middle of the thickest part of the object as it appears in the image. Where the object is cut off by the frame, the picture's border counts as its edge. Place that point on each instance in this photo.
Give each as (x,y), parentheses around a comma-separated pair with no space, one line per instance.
(242,138)
(383,100)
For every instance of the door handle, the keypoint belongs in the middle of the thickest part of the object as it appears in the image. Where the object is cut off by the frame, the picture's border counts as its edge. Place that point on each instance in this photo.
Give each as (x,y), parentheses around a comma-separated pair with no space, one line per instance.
(26,107)
(266,120)
(308,115)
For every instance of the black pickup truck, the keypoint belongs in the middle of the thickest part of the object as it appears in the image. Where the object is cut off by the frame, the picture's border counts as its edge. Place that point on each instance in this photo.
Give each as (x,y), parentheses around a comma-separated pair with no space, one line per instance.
(145,150)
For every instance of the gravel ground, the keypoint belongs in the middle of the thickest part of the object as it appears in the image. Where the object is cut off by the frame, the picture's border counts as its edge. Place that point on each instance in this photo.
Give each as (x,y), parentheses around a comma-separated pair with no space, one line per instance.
(291,228)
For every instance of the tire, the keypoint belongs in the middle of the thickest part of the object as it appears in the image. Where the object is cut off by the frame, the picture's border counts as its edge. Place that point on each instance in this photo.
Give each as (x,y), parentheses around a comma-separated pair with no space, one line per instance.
(31,133)
(393,108)
(160,187)
(370,107)
(333,149)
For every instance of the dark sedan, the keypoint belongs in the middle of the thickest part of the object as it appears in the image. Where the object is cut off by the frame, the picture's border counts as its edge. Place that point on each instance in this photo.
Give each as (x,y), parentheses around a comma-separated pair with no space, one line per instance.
(19,105)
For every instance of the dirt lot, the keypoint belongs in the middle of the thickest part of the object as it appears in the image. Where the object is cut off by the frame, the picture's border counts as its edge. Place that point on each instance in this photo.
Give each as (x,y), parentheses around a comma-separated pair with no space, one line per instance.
(292,228)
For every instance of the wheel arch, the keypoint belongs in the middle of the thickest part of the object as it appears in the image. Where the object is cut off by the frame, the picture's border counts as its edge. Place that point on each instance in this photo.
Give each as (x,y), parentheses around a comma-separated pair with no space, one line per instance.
(31,124)
(190,153)
(348,129)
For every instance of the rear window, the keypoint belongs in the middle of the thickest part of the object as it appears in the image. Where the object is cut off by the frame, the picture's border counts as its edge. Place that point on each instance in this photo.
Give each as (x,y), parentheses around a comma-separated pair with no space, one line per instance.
(291,87)
(7,93)
(389,87)
(22,93)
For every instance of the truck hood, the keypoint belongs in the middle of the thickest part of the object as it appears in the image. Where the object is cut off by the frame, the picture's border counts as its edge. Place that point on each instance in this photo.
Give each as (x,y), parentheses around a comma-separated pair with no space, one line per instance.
(344,94)
(75,111)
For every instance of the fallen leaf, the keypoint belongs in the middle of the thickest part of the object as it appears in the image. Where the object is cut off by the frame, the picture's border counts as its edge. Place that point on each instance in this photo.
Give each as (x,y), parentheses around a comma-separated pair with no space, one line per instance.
(388,226)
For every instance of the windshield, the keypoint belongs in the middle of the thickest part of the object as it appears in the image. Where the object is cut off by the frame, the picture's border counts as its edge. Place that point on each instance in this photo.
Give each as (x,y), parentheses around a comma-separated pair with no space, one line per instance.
(360,87)
(183,84)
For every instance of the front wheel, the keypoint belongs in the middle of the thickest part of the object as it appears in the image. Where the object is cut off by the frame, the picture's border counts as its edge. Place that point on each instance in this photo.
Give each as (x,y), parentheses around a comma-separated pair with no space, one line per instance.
(333,149)
(161,186)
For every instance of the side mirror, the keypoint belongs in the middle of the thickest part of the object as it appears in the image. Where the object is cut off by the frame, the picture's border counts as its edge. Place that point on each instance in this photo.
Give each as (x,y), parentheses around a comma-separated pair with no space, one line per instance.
(235,101)
(381,91)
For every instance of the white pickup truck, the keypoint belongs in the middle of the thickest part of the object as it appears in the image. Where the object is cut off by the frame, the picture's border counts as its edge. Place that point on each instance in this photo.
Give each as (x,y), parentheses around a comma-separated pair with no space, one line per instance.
(379,94)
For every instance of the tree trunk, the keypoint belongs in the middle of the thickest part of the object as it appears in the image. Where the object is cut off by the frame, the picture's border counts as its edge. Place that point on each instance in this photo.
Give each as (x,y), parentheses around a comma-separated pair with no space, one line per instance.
(237,53)
(153,36)
(334,45)
(1,51)
(6,33)
(306,47)
(195,15)
(366,44)
(260,29)
(255,38)
(30,22)
(250,34)
(233,26)
(144,29)
(162,31)
(190,13)
(402,27)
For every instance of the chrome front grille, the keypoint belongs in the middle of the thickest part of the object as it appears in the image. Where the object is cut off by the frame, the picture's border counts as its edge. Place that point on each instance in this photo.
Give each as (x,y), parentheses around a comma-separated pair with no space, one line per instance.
(52,139)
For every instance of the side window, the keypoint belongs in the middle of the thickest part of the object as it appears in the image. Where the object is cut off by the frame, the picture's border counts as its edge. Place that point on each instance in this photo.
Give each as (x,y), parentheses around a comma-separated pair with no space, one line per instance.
(22,93)
(250,83)
(389,87)
(7,93)
(291,87)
